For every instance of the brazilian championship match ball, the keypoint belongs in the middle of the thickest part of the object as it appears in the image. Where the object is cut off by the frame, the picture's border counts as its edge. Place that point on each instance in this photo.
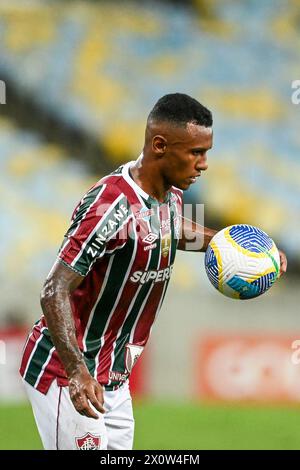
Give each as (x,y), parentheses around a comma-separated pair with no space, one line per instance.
(242,261)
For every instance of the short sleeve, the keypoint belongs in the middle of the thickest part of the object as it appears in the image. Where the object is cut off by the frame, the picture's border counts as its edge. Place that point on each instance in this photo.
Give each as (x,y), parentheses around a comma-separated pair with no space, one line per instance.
(98,226)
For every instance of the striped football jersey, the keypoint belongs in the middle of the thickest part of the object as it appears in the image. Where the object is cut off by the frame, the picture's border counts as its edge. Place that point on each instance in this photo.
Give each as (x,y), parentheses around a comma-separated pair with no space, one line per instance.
(123,244)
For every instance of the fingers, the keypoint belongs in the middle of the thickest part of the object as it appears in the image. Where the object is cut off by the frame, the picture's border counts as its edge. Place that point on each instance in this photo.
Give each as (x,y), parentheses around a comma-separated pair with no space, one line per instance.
(99,398)
(96,404)
(81,405)
(283,263)
(82,397)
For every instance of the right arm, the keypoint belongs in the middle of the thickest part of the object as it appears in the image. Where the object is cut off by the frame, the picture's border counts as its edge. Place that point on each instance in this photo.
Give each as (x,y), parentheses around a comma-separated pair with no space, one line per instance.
(55,302)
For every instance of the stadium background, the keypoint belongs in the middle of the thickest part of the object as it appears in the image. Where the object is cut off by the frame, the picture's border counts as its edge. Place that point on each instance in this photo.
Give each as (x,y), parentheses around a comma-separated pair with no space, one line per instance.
(80,80)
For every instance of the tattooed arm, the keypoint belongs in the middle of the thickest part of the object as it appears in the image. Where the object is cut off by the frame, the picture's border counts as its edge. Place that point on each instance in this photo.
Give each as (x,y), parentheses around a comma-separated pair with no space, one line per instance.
(55,302)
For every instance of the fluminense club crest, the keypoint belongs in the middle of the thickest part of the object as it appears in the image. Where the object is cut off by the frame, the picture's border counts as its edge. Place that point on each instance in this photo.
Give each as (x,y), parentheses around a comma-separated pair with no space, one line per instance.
(88,442)
(133,352)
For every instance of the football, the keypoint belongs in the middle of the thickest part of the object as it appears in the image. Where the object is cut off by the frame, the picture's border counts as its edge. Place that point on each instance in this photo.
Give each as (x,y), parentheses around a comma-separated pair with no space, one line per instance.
(242,261)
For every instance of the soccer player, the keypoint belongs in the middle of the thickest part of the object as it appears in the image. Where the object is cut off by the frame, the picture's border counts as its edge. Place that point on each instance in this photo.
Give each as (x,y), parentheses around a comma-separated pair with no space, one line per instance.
(108,283)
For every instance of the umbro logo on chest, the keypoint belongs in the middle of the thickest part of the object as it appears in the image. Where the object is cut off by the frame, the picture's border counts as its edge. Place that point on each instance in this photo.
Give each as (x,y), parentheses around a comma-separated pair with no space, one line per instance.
(149,241)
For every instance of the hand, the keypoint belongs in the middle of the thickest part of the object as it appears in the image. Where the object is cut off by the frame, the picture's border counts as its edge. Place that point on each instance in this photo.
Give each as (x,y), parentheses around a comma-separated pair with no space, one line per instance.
(83,388)
(283,262)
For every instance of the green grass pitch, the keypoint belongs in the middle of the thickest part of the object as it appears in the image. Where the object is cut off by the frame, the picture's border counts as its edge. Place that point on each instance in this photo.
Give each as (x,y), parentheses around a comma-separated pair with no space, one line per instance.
(162,425)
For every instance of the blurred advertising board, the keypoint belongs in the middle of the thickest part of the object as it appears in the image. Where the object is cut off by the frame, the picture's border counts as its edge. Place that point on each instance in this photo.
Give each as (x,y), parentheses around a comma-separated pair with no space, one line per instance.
(11,346)
(239,367)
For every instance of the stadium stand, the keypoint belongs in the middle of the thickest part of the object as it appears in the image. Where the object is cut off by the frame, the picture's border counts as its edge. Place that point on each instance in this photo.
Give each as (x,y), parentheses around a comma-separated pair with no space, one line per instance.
(102,76)
(34,174)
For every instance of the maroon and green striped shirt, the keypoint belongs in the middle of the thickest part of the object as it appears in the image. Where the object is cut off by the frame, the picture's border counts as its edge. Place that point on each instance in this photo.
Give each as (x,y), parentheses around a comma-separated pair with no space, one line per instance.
(123,243)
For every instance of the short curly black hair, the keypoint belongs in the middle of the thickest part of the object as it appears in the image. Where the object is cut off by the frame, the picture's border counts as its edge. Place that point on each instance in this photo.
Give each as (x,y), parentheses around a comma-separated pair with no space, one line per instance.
(179,109)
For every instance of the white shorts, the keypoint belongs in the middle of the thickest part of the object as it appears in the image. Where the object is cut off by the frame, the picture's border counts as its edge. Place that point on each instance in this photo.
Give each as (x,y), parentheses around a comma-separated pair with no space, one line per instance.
(61,427)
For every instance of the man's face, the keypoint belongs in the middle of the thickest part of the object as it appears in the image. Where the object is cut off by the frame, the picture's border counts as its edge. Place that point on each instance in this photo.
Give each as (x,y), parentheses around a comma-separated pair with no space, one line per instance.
(185,156)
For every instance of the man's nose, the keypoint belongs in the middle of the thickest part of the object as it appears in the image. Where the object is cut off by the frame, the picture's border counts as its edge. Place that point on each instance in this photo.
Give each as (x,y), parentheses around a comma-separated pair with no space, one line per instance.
(202,164)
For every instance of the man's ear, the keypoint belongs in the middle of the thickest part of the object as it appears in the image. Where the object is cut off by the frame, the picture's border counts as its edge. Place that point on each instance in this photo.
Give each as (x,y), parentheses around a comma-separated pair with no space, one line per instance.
(159,144)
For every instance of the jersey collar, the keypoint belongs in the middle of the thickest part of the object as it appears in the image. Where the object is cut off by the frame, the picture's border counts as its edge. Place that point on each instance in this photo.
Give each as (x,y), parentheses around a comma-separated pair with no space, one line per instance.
(138,189)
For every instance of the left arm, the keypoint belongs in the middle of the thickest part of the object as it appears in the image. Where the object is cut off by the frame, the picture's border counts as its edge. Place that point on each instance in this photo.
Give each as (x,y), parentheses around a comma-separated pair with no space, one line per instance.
(195,237)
